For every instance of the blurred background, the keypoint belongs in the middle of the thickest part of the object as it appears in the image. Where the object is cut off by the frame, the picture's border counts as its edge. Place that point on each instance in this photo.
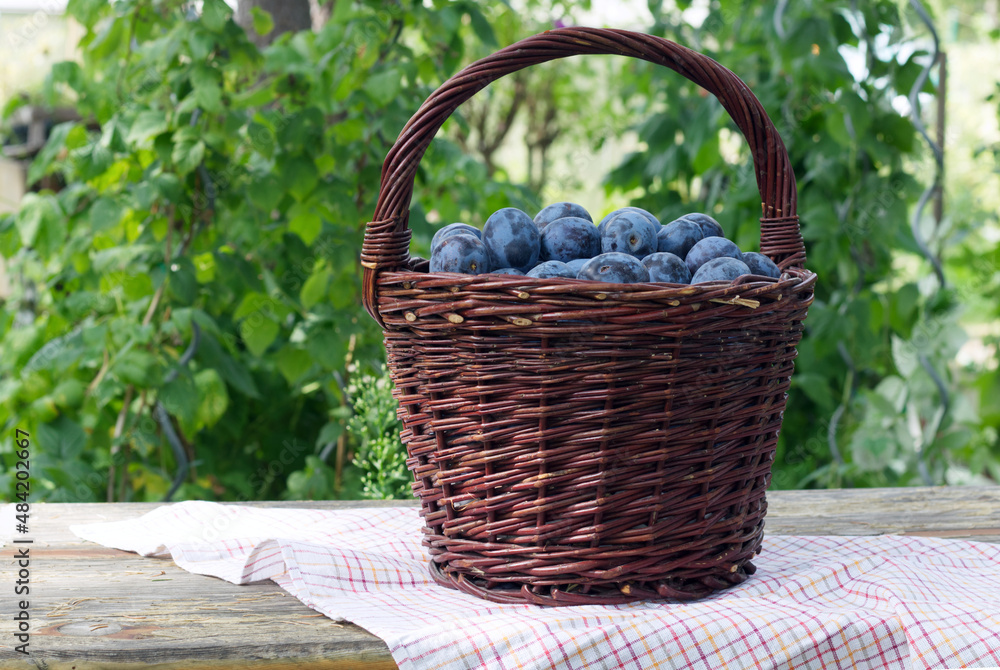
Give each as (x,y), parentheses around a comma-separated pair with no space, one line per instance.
(185,185)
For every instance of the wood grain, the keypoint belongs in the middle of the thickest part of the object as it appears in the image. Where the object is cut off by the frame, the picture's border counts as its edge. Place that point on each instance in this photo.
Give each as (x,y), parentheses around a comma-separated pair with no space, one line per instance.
(94,607)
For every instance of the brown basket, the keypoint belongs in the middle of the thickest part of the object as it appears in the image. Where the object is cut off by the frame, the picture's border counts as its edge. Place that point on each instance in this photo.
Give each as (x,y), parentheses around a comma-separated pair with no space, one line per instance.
(576,442)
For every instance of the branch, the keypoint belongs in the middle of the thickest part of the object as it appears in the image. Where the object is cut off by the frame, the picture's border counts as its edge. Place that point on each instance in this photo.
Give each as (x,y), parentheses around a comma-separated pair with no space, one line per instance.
(119,427)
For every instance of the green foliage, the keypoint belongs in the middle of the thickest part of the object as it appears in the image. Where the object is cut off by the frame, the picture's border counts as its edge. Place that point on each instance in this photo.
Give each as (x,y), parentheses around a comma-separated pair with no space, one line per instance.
(216,197)
(380,456)
(865,408)
(217,186)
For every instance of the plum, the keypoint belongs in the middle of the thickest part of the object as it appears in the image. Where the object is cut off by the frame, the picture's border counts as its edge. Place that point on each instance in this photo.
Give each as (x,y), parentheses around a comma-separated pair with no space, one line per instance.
(638,210)
(512,239)
(576,264)
(506,271)
(550,269)
(614,267)
(666,267)
(629,233)
(723,268)
(561,210)
(760,264)
(678,236)
(454,229)
(708,248)
(460,253)
(709,226)
(569,238)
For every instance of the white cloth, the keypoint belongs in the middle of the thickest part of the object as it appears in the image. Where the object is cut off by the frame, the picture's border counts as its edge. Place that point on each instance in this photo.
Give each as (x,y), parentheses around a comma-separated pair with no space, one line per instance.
(815,602)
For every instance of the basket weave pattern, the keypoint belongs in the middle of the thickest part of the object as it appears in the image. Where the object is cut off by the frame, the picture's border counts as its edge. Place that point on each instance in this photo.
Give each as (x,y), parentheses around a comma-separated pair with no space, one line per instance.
(576,442)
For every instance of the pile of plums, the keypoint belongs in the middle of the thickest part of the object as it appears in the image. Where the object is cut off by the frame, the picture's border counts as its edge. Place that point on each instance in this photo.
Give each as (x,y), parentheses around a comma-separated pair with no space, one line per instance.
(629,245)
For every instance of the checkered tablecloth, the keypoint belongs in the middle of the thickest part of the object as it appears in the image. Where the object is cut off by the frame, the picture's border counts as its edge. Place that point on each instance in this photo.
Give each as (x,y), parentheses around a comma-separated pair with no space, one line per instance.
(815,602)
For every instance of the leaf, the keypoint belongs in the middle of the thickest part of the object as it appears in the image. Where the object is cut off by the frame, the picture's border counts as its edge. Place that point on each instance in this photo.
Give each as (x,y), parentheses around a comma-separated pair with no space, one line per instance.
(207,85)
(254,302)
(55,144)
(182,285)
(872,449)
(341,12)
(61,440)
(708,155)
(481,26)
(299,176)
(214,399)
(330,433)
(41,224)
(306,225)
(262,21)
(315,482)
(325,164)
(148,123)
(903,308)
(189,149)
(105,213)
(858,109)
(343,291)
(204,265)
(136,367)
(837,127)
(234,373)
(108,39)
(265,192)
(816,388)
(327,348)
(894,390)
(86,11)
(118,258)
(293,363)
(180,398)
(383,86)
(214,14)
(896,131)
(314,290)
(69,73)
(904,356)
(258,334)
(29,218)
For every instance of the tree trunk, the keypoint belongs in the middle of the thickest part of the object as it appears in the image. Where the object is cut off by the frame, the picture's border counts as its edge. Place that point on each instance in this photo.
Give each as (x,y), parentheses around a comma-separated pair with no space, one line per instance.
(288,16)
(321,11)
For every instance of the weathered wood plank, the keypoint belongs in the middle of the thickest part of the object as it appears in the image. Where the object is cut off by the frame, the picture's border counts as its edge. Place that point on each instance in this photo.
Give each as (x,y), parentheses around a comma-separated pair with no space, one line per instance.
(955,512)
(94,607)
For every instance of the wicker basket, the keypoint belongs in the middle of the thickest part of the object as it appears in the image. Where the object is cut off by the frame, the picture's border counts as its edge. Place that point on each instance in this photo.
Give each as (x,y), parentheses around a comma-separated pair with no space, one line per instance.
(576,442)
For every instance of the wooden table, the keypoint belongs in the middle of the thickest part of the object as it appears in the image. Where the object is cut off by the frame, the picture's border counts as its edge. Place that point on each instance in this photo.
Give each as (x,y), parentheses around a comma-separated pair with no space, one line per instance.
(93,607)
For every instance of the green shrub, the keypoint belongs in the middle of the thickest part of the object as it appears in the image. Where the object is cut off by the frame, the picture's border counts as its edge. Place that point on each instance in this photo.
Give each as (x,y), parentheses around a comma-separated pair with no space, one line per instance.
(215,203)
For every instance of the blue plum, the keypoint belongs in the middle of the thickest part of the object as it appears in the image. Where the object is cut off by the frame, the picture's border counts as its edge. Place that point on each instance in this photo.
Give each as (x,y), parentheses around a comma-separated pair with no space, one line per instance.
(678,236)
(629,233)
(760,264)
(512,239)
(666,267)
(708,248)
(506,271)
(722,268)
(638,210)
(614,267)
(576,264)
(454,229)
(709,226)
(561,210)
(569,238)
(460,253)
(550,269)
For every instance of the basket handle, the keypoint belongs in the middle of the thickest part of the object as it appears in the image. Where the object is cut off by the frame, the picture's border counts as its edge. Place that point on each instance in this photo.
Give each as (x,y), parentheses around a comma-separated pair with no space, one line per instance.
(387,236)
